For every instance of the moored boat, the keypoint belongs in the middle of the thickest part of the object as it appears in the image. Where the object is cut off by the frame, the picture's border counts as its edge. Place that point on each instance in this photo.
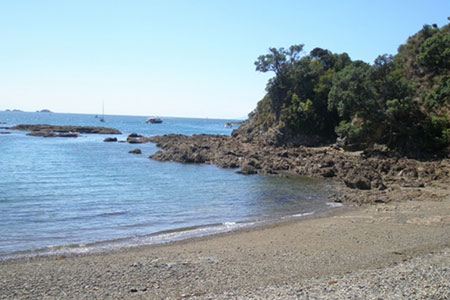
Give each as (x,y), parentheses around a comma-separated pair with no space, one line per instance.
(154,120)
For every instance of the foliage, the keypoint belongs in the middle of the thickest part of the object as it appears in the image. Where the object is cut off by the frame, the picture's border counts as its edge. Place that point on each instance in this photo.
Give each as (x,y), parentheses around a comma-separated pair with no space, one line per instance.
(402,101)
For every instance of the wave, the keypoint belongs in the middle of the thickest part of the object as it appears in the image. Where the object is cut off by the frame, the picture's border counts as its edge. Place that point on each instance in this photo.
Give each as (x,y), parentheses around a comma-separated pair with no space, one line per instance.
(161,237)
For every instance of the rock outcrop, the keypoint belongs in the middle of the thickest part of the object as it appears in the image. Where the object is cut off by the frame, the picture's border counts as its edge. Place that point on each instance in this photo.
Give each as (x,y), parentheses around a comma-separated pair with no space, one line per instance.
(359,171)
(45,130)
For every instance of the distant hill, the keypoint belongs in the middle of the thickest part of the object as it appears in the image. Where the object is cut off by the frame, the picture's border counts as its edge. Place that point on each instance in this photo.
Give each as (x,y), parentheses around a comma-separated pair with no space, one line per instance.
(400,101)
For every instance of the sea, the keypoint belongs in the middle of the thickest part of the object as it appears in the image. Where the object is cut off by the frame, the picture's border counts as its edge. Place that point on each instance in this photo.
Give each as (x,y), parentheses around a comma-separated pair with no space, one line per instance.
(78,195)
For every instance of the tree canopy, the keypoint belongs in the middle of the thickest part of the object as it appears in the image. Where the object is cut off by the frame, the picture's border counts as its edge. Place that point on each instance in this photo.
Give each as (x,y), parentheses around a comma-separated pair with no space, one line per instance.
(401,101)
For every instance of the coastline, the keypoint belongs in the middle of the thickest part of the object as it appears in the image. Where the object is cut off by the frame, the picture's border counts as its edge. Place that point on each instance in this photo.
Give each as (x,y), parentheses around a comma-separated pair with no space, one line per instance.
(334,255)
(167,237)
(396,241)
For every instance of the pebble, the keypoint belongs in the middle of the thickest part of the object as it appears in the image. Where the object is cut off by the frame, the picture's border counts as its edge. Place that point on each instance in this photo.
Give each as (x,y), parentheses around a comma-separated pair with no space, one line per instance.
(423,277)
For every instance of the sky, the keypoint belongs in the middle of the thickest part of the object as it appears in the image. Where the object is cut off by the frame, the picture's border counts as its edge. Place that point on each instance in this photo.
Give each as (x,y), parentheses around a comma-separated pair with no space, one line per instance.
(192,58)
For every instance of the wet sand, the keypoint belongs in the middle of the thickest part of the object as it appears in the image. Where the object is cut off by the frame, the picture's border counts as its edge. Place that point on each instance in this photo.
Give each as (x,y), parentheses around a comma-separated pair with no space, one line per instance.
(393,251)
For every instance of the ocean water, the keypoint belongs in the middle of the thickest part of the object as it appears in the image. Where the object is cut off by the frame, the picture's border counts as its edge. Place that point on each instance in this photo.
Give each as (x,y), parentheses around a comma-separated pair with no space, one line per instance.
(75,195)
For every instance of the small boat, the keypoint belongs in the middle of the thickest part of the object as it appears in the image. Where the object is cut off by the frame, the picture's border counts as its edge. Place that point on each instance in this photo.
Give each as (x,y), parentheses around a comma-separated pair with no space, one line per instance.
(102,119)
(228,125)
(154,120)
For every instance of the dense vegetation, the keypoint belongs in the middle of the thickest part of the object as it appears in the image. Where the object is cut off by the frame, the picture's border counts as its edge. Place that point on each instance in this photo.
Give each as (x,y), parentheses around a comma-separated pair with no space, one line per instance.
(400,101)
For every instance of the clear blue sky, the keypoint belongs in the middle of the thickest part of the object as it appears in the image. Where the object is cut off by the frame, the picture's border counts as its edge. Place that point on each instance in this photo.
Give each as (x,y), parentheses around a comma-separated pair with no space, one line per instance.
(180,58)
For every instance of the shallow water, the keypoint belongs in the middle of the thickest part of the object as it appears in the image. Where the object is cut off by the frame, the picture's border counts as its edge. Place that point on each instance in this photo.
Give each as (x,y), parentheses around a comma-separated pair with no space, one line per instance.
(62,195)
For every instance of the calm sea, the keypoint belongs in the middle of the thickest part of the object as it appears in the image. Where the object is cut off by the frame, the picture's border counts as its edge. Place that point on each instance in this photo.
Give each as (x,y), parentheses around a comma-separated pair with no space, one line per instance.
(75,195)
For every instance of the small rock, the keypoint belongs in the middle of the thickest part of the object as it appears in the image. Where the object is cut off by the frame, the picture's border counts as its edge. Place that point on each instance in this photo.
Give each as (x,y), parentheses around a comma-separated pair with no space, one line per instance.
(132,140)
(247,170)
(361,183)
(135,151)
(328,172)
(134,135)
(110,139)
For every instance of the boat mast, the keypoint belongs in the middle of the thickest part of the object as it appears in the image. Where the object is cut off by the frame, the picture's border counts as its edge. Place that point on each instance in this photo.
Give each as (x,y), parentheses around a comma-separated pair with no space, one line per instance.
(103,111)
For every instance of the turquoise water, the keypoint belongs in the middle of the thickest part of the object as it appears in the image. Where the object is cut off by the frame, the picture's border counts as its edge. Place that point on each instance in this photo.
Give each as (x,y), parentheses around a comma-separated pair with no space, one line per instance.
(63,195)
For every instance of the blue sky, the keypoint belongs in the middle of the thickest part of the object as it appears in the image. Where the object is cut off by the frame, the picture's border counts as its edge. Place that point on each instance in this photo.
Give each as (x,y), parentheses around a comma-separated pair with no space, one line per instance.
(180,58)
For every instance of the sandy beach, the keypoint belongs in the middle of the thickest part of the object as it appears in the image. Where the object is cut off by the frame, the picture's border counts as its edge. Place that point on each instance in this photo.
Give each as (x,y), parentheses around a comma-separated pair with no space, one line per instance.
(383,251)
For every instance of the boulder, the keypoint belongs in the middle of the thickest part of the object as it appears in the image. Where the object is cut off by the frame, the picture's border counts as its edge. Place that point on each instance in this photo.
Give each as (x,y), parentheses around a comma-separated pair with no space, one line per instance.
(328,172)
(135,151)
(359,182)
(247,170)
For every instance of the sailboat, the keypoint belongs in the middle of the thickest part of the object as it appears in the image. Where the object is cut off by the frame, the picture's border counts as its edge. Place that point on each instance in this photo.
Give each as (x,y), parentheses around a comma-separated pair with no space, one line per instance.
(102,119)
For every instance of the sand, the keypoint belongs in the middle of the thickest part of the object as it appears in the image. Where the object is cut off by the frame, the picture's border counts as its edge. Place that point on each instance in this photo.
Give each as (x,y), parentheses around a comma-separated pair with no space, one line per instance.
(386,251)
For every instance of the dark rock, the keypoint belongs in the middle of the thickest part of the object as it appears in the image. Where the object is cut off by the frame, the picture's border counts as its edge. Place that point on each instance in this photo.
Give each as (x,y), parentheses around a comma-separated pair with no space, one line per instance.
(247,170)
(67,134)
(110,139)
(380,200)
(135,138)
(367,175)
(414,184)
(135,151)
(66,129)
(42,133)
(328,172)
(134,135)
(382,187)
(134,141)
(358,182)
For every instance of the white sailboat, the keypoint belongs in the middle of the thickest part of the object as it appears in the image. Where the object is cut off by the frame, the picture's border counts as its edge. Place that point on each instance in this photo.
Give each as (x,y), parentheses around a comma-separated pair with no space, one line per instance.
(102,119)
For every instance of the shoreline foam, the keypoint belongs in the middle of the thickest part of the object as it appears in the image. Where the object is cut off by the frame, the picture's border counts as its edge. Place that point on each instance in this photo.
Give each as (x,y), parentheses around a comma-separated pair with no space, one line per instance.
(159,238)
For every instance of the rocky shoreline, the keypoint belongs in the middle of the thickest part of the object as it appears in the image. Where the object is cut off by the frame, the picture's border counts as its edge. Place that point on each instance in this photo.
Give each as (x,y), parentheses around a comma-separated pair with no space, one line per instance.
(367,177)
(389,250)
(375,176)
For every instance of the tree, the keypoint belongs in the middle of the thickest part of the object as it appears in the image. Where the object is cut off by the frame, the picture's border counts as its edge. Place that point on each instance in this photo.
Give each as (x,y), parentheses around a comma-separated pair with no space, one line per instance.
(278,58)
(353,93)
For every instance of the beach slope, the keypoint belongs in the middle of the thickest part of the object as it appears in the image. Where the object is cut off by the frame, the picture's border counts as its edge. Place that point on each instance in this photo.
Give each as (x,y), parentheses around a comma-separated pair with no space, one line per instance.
(395,250)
